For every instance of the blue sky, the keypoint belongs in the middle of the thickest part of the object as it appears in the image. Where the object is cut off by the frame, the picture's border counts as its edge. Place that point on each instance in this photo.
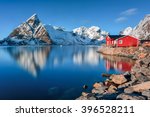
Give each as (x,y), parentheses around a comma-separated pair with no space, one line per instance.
(110,15)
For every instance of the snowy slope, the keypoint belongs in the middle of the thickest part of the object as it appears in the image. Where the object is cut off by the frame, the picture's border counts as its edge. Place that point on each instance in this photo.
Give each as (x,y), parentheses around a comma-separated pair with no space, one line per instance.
(61,37)
(126,31)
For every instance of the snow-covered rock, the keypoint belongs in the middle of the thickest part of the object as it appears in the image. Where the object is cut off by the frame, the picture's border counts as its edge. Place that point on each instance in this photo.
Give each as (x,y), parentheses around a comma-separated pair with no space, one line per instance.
(126,31)
(142,30)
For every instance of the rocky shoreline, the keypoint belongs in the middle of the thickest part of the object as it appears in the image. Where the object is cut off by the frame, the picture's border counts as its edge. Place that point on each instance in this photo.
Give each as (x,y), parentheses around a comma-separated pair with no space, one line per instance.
(132,85)
(121,51)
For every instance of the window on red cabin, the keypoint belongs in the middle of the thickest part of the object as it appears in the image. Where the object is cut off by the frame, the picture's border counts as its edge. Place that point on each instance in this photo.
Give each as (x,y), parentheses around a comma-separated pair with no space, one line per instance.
(120,42)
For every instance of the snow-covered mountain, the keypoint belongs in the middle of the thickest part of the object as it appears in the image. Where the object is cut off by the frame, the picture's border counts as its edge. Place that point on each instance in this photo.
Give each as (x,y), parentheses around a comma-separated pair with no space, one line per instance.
(33,32)
(93,32)
(30,32)
(126,31)
(142,30)
(61,37)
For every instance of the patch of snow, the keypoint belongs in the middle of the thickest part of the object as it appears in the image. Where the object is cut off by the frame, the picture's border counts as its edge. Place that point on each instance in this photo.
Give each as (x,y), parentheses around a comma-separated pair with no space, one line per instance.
(126,31)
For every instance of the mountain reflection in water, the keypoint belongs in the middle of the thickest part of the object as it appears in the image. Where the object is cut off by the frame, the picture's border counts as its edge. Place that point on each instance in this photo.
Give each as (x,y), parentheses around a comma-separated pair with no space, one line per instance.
(60,71)
(34,59)
(31,59)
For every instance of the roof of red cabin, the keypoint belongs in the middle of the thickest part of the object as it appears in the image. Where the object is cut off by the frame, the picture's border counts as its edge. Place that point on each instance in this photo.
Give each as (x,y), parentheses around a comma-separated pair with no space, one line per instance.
(116,36)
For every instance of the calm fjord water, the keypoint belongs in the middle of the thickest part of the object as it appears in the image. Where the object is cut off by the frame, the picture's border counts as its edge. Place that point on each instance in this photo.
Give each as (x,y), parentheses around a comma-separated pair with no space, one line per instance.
(56,72)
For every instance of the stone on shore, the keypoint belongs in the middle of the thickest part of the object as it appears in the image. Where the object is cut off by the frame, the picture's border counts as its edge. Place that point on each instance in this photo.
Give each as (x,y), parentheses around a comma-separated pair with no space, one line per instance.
(112,89)
(147,94)
(138,88)
(87,96)
(125,96)
(106,75)
(118,79)
(99,88)
(98,85)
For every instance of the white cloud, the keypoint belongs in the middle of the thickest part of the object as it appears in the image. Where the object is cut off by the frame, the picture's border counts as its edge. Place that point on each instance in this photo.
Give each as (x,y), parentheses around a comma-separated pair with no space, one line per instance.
(125,14)
(121,19)
(128,12)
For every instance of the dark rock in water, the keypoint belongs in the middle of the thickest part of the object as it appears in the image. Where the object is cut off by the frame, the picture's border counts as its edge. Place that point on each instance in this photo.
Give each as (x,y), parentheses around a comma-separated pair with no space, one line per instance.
(85,86)
(106,75)
(91,96)
(127,75)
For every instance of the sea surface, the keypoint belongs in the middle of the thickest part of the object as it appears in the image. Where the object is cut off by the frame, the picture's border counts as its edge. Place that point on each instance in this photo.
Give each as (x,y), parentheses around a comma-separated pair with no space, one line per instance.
(54,72)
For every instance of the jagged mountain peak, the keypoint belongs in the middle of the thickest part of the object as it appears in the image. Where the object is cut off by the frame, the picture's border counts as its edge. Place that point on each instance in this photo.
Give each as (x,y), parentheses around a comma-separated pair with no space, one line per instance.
(142,30)
(148,15)
(34,16)
(33,20)
(31,29)
(93,32)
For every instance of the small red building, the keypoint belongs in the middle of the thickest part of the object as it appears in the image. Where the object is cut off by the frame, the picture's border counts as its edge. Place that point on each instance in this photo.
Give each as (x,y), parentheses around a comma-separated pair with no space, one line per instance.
(121,41)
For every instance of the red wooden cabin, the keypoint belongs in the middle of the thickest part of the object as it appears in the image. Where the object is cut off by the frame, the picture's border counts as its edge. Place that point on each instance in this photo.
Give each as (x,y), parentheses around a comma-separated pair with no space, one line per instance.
(121,41)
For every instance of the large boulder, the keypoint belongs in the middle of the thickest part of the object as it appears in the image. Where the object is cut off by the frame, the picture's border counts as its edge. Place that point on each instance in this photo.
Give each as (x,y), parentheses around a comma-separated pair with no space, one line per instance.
(118,79)
(138,88)
(99,88)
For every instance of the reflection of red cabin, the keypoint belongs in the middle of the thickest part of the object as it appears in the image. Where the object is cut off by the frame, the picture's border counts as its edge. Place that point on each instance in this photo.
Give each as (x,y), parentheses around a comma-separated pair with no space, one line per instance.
(122,66)
(121,41)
